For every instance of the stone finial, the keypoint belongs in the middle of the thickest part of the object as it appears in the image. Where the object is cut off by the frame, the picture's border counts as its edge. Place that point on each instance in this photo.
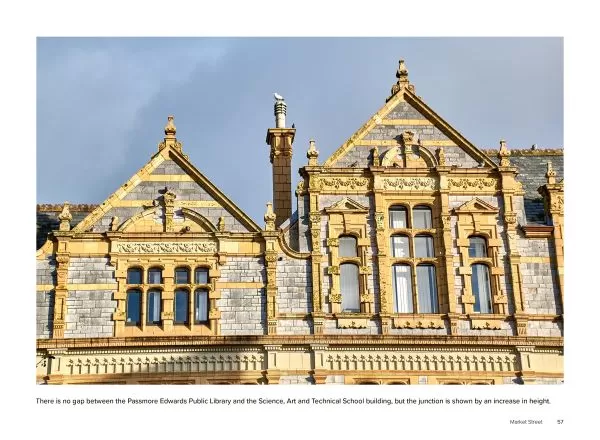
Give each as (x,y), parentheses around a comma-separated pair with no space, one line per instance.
(170,128)
(441,156)
(312,154)
(280,110)
(408,137)
(376,161)
(269,218)
(403,82)
(504,154)
(551,174)
(221,224)
(65,218)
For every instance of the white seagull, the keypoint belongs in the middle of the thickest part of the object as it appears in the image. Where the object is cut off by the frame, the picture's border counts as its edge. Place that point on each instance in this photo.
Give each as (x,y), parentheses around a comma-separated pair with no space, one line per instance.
(277,96)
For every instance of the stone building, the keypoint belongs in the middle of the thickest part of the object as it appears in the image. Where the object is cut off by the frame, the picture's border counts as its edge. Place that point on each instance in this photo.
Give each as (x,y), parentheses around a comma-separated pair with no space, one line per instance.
(413,257)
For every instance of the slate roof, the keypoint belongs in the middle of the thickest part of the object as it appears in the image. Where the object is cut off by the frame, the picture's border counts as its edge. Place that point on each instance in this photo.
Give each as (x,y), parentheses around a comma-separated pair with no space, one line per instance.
(47,219)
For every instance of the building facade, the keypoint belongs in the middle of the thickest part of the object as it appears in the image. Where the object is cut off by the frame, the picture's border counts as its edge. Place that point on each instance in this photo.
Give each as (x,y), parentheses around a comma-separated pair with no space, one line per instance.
(413,257)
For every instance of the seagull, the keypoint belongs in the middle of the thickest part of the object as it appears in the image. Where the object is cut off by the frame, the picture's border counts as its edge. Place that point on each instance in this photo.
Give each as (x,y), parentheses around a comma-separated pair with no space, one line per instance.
(293,125)
(277,96)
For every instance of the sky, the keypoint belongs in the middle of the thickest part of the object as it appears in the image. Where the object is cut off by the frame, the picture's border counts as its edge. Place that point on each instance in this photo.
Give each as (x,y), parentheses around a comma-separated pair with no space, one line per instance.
(102,103)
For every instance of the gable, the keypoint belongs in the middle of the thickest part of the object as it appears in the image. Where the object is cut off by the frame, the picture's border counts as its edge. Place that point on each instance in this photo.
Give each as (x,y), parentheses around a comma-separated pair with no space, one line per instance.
(139,205)
(405,113)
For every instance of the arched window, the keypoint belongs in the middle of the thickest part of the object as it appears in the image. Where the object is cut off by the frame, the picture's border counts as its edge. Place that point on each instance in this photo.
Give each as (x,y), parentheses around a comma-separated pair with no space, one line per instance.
(400,247)
(201,275)
(422,217)
(154,306)
(134,275)
(480,283)
(427,289)
(398,217)
(347,246)
(349,287)
(181,306)
(201,306)
(182,275)
(155,275)
(402,284)
(133,307)
(424,246)
(477,247)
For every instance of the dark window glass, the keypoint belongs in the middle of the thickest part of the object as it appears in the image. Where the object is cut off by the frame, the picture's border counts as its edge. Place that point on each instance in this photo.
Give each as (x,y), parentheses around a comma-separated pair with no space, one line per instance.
(201,305)
(133,307)
(201,275)
(154,306)
(134,276)
(427,289)
(347,246)
(182,276)
(349,288)
(480,282)
(422,217)
(477,247)
(399,245)
(155,276)
(181,306)
(423,246)
(397,216)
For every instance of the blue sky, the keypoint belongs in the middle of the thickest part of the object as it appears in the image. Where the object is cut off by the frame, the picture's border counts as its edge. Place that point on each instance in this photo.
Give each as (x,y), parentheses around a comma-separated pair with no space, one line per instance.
(102,103)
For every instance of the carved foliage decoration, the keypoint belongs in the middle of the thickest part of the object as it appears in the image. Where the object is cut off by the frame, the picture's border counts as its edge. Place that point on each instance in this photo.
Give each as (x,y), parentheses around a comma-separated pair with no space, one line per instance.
(409,183)
(166,248)
(478,183)
(325,183)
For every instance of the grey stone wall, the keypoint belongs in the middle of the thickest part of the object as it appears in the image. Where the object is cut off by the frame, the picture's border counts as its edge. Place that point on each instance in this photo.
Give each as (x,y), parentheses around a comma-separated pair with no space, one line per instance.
(44,313)
(168,167)
(124,214)
(296,380)
(304,242)
(540,290)
(89,314)
(243,311)
(293,327)
(46,271)
(244,270)
(544,328)
(94,270)
(294,285)
(535,247)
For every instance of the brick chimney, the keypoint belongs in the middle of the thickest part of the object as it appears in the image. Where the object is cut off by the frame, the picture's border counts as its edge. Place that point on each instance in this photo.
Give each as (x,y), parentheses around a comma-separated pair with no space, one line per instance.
(280,139)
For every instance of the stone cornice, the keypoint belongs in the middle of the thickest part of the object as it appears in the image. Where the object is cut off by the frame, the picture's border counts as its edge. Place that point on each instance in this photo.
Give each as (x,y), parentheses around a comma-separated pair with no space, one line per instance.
(287,340)
(528,152)
(49,207)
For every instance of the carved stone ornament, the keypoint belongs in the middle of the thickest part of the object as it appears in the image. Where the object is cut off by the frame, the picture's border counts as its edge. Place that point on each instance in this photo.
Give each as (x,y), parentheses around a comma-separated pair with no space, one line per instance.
(557,203)
(410,183)
(376,160)
(352,322)
(300,188)
(504,154)
(551,174)
(114,223)
(269,218)
(479,183)
(221,224)
(332,242)
(510,217)
(424,323)
(325,183)
(446,221)
(408,138)
(335,298)
(333,270)
(166,248)
(485,324)
(441,156)
(312,154)
(65,218)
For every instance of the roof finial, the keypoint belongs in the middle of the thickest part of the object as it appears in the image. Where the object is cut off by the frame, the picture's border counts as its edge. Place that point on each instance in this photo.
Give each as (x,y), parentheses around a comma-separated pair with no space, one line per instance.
(402,83)
(270,218)
(312,154)
(503,154)
(170,128)
(65,218)
(551,174)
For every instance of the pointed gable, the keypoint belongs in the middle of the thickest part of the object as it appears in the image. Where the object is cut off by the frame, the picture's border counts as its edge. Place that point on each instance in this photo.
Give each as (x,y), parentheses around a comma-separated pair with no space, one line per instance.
(476,205)
(406,115)
(167,193)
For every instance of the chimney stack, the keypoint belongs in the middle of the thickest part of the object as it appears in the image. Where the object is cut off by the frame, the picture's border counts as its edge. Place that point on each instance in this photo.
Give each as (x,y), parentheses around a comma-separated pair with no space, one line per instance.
(280,139)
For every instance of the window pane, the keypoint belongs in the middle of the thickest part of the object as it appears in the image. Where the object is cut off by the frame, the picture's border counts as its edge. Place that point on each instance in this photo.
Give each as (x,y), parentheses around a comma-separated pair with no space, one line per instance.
(399,245)
(422,218)
(181,306)
(477,247)
(402,284)
(349,288)
(182,276)
(423,246)
(201,276)
(347,246)
(397,217)
(155,276)
(426,288)
(480,281)
(154,306)
(134,276)
(201,305)
(133,307)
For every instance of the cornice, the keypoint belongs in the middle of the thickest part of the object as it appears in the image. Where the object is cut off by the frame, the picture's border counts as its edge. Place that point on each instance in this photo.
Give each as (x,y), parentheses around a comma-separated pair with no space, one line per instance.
(528,152)
(49,207)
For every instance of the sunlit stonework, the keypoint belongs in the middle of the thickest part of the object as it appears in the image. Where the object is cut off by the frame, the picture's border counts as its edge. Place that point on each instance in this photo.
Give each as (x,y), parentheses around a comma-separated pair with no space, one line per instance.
(413,257)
